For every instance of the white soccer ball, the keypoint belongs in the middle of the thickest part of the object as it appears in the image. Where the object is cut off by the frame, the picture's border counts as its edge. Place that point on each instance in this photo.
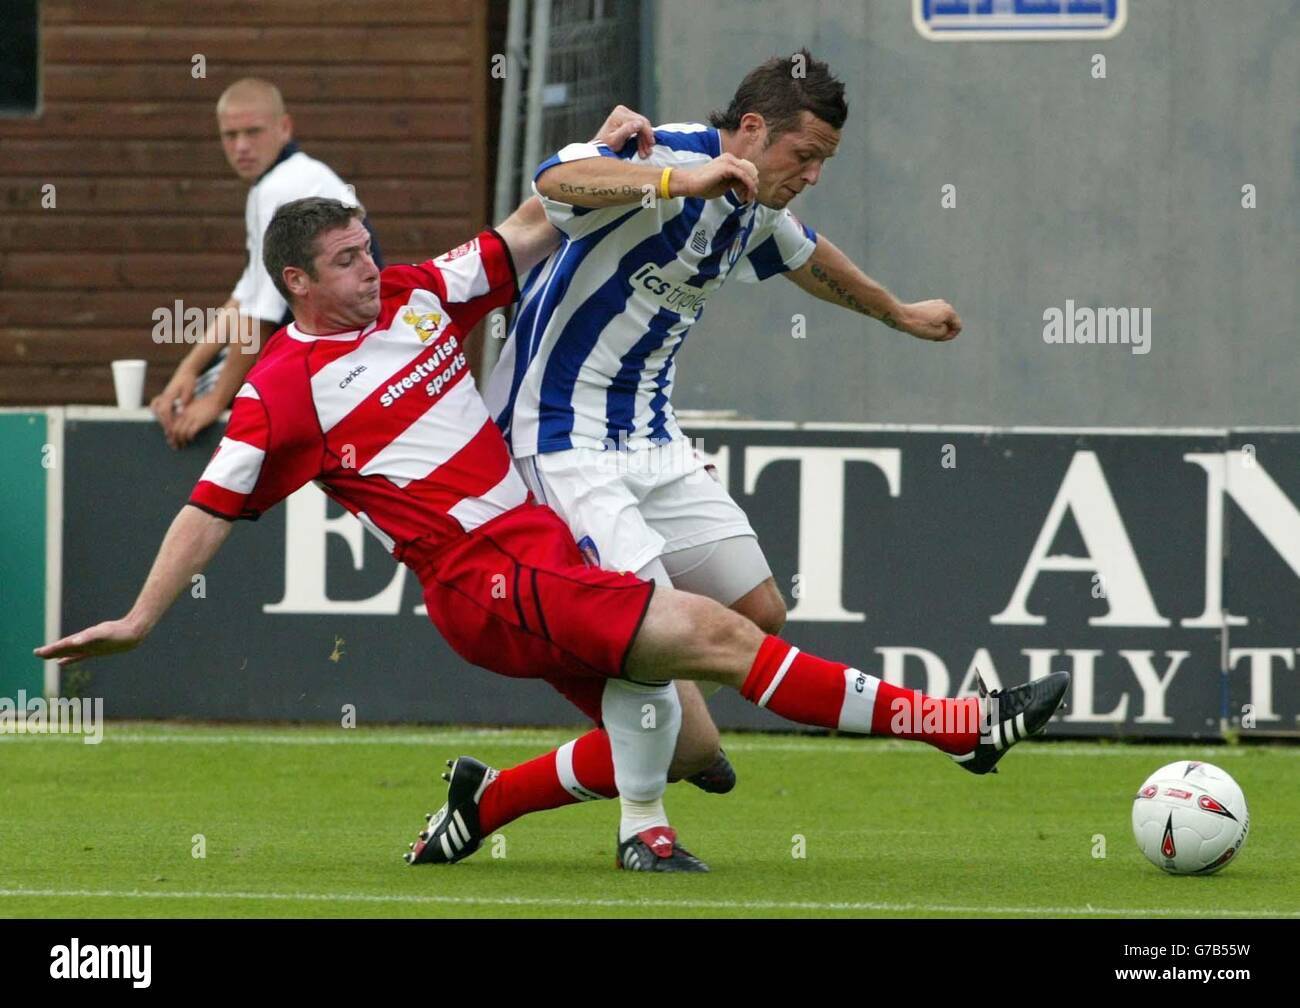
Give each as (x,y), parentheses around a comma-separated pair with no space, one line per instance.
(1190,818)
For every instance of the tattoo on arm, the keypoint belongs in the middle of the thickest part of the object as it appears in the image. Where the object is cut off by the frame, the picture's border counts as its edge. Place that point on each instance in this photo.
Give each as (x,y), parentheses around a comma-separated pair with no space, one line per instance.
(847,299)
(623,190)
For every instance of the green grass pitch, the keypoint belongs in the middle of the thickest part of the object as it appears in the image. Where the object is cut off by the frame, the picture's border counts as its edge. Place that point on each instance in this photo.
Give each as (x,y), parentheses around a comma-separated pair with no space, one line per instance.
(311,822)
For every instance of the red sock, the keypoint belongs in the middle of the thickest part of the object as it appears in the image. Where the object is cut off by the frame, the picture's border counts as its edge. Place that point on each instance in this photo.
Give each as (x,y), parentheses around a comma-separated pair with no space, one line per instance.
(581,770)
(948,724)
(813,691)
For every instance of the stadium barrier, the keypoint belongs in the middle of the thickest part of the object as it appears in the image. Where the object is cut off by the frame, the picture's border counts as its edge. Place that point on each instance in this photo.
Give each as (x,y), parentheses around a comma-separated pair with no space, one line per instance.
(1160,567)
(29,603)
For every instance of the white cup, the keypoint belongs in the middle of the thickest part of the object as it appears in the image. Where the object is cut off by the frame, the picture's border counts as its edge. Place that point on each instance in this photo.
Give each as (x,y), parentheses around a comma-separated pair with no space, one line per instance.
(128,383)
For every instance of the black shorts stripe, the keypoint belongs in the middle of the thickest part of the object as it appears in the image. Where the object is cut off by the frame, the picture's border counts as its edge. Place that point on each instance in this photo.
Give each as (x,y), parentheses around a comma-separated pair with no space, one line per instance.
(519,605)
(537,604)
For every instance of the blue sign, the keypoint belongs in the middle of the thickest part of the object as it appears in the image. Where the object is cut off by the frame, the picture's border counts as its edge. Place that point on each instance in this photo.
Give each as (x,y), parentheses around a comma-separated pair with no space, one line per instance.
(1004,20)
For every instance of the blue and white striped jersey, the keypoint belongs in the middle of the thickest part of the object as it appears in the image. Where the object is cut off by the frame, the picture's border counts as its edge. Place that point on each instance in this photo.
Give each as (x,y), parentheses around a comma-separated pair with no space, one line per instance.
(589,360)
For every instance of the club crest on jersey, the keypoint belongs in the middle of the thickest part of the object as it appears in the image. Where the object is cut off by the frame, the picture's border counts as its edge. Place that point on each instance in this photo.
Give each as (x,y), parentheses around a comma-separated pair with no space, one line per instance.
(425,326)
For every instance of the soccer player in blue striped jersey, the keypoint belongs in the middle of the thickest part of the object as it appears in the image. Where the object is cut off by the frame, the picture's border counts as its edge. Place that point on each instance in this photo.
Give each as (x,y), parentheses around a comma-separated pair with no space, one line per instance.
(583,387)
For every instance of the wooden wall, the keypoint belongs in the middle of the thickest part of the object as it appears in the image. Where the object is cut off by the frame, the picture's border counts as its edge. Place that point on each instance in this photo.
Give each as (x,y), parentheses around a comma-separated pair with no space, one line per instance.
(392,96)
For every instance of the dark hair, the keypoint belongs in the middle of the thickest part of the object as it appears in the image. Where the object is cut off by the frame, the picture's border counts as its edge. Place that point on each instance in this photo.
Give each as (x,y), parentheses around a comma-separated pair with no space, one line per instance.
(780,89)
(290,238)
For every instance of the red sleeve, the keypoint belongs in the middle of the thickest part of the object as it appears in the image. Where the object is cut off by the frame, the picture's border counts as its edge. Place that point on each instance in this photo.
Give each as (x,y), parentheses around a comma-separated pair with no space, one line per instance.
(470,280)
(240,480)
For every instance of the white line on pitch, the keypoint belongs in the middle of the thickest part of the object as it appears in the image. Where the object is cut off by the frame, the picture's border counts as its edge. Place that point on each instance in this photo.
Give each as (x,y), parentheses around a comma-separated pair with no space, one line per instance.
(758,745)
(640,904)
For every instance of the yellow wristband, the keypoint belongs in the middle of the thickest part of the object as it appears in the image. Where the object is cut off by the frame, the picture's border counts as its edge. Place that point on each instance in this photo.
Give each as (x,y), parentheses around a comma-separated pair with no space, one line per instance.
(663,184)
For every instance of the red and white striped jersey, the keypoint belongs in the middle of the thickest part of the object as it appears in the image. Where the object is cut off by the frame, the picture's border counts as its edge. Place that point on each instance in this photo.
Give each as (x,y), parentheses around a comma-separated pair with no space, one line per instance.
(385,419)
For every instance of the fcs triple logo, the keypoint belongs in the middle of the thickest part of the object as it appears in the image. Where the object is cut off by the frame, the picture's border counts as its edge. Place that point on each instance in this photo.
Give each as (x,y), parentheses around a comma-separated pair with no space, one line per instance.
(425,325)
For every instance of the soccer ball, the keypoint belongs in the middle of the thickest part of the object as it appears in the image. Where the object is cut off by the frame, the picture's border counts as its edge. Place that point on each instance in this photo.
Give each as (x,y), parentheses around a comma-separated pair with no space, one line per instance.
(1190,818)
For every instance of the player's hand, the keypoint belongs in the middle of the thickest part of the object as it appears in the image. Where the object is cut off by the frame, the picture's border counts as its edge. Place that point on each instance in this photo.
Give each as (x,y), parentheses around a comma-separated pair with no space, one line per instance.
(621,126)
(164,405)
(930,320)
(196,417)
(725,172)
(102,639)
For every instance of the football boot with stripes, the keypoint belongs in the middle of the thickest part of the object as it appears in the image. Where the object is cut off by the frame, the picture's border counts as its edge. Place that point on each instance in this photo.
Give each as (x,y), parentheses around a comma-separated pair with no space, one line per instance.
(452,833)
(1011,716)
(656,850)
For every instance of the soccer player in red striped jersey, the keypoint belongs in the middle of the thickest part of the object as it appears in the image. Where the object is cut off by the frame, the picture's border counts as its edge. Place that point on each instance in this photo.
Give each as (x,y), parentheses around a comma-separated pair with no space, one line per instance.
(368,394)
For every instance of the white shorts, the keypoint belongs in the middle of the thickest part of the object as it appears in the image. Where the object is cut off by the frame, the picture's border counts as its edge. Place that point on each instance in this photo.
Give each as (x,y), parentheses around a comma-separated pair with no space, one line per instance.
(625,508)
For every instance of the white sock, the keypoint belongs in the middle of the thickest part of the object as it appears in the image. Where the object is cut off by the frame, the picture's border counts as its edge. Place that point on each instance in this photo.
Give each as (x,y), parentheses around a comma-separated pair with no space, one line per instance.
(642,723)
(640,815)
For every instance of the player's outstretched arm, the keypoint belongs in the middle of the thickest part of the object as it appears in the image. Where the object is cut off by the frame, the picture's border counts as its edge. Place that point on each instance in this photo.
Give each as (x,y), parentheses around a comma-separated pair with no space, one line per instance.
(831,275)
(595,182)
(190,543)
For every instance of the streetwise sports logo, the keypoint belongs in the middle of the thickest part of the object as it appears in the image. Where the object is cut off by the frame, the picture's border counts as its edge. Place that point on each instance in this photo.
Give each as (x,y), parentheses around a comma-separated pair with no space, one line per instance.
(428,368)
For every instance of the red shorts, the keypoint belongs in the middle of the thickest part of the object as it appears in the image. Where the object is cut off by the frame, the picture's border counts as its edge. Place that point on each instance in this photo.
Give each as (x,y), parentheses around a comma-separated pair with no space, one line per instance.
(517,597)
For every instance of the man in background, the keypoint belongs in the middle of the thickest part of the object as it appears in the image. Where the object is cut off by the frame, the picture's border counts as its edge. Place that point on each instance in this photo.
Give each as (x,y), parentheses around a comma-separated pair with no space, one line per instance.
(257,136)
